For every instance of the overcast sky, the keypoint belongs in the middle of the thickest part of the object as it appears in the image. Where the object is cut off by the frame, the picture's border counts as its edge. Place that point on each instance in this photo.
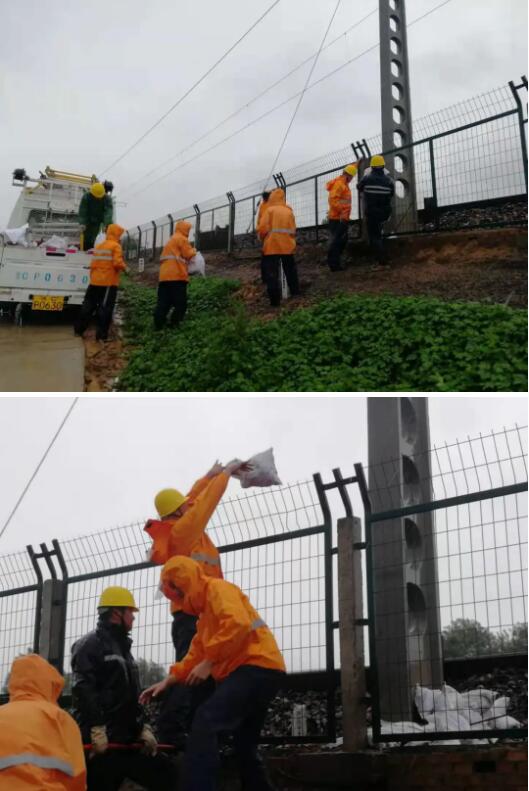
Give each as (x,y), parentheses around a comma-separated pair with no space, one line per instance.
(81,82)
(115,453)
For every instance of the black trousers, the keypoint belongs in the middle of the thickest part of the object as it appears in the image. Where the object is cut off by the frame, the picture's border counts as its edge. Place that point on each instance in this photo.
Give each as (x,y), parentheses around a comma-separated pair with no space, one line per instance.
(99,301)
(239,705)
(180,702)
(337,244)
(270,265)
(107,772)
(90,234)
(171,294)
(375,222)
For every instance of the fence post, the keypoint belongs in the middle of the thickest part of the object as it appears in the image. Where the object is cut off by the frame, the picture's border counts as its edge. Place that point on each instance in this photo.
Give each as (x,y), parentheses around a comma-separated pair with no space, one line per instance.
(38,602)
(316,213)
(231,220)
(139,243)
(350,607)
(521,120)
(434,183)
(53,615)
(329,628)
(153,254)
(197,226)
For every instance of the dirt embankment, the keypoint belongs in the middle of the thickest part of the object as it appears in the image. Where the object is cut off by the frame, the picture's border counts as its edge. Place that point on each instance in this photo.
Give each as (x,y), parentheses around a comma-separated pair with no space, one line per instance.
(488,266)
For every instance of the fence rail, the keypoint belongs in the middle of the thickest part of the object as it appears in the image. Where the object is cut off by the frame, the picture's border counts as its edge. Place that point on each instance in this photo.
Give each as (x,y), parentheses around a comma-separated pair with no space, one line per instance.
(473,154)
(280,547)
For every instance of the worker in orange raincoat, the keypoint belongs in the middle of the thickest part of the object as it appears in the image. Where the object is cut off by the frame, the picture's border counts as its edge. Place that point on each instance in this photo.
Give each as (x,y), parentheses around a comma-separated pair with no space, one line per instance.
(340,202)
(174,277)
(40,743)
(100,298)
(181,530)
(235,647)
(277,230)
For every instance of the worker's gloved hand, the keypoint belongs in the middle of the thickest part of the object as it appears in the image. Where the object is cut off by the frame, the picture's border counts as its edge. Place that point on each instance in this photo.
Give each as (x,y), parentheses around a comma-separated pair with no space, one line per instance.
(148,739)
(99,739)
(215,470)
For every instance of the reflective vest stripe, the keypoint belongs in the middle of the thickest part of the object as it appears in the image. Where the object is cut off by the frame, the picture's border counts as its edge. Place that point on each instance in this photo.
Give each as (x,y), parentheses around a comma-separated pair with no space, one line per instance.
(344,201)
(283,230)
(42,761)
(257,623)
(102,253)
(173,258)
(201,558)
(374,188)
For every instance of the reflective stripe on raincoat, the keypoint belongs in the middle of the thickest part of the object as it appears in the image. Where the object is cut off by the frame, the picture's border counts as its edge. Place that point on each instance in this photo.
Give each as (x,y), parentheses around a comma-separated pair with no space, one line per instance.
(40,743)
(176,254)
(107,259)
(277,228)
(230,632)
(187,534)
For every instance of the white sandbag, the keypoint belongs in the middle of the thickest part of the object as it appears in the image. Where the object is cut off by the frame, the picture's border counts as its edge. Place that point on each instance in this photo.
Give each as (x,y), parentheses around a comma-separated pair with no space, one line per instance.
(496,711)
(197,265)
(261,471)
(423,700)
(16,235)
(505,722)
(55,241)
(100,238)
(479,700)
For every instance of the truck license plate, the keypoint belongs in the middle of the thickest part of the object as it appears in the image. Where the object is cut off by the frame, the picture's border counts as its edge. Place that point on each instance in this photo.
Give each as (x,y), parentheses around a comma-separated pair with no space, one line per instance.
(47,303)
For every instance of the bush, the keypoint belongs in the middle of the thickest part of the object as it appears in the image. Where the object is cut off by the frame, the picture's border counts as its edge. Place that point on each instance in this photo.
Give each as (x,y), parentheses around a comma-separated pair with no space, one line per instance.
(350,343)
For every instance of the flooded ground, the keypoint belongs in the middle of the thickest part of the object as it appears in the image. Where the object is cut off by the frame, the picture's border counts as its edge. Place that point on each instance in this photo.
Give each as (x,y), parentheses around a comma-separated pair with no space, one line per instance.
(40,357)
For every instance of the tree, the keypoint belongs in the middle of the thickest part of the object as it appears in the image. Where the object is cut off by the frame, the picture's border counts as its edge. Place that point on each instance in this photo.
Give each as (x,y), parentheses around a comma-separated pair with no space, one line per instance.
(465,637)
(150,672)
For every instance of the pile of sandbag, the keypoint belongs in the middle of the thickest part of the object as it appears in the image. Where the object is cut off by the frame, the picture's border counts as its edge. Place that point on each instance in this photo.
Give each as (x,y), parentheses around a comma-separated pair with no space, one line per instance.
(447,710)
(16,235)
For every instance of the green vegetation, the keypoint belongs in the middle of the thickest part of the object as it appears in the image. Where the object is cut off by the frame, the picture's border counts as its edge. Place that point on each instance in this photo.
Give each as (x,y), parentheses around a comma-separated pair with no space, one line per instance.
(465,637)
(349,343)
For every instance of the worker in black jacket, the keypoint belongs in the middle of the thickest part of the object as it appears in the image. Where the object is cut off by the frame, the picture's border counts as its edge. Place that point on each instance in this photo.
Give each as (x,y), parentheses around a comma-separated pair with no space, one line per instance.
(377,189)
(105,692)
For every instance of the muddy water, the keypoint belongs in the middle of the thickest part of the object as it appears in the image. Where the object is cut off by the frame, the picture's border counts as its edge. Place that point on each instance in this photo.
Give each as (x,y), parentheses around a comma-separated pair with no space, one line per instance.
(40,358)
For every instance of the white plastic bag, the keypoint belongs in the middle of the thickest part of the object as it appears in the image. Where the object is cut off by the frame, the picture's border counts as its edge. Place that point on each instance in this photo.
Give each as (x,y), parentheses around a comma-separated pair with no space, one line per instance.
(55,241)
(16,235)
(261,471)
(100,238)
(197,265)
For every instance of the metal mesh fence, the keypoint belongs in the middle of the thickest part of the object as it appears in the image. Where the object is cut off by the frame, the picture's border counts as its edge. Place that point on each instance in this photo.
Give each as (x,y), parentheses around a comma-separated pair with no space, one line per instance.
(483,161)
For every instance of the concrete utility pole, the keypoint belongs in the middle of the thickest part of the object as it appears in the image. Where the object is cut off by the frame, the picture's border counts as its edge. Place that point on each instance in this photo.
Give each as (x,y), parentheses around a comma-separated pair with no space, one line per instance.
(397,128)
(408,626)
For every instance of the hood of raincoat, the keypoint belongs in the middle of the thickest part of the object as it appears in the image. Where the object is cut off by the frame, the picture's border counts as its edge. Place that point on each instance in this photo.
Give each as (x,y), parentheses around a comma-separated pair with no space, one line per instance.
(115,232)
(330,184)
(182,227)
(33,678)
(187,575)
(277,197)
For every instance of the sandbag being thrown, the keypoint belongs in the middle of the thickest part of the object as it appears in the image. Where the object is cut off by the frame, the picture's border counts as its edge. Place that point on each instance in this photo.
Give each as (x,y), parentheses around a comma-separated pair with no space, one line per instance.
(260,470)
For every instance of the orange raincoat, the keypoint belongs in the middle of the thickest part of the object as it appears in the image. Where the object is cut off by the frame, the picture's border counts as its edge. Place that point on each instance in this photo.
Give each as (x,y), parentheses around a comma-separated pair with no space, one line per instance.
(230,633)
(277,228)
(187,534)
(176,254)
(40,744)
(107,260)
(339,199)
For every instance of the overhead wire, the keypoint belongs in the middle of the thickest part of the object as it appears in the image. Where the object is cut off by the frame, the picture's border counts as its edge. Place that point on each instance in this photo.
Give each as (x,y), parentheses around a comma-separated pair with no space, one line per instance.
(39,465)
(289,127)
(281,104)
(192,88)
(249,103)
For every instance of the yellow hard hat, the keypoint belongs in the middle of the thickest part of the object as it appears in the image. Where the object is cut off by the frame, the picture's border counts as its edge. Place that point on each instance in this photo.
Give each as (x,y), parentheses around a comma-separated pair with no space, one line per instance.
(378,161)
(117,597)
(168,500)
(97,190)
(351,170)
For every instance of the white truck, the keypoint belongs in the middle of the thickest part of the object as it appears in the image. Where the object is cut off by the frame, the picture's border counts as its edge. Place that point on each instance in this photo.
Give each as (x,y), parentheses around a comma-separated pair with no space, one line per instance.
(46,270)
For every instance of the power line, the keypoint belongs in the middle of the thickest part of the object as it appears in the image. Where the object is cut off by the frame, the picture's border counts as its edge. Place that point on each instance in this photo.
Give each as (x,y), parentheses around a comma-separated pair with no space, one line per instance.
(39,465)
(289,127)
(249,103)
(192,88)
(281,104)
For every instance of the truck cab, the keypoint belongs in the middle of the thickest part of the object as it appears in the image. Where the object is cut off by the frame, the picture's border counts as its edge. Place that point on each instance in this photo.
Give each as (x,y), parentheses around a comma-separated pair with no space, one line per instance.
(48,270)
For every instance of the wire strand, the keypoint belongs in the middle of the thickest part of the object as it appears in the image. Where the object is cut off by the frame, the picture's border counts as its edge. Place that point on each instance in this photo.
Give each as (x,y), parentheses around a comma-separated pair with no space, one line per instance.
(192,88)
(289,127)
(39,465)
(278,106)
(248,104)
